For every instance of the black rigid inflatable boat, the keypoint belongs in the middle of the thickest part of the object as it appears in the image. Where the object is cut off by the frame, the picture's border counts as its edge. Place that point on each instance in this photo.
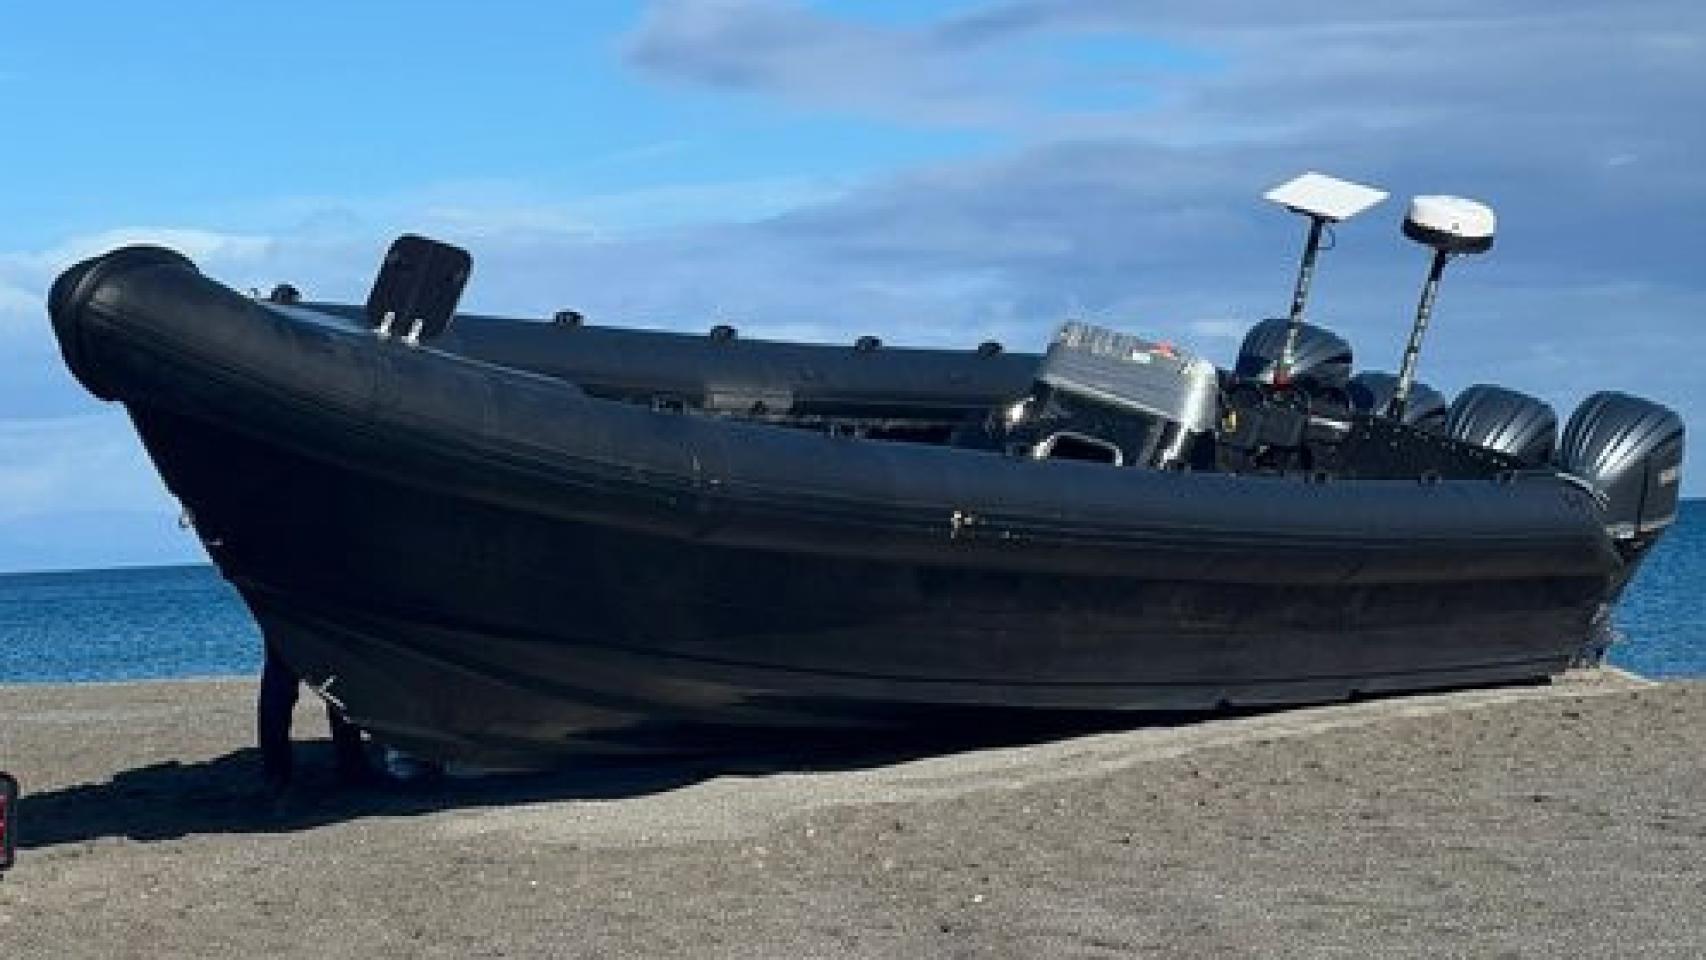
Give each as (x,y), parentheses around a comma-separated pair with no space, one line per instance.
(513,540)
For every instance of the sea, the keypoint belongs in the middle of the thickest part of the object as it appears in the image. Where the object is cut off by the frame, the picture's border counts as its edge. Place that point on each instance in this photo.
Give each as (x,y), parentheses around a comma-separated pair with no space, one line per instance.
(174,622)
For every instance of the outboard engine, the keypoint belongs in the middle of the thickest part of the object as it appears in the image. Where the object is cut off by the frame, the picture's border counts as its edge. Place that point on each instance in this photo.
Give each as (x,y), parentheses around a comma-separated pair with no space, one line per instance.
(1371,392)
(1116,398)
(1629,450)
(1504,420)
(1321,361)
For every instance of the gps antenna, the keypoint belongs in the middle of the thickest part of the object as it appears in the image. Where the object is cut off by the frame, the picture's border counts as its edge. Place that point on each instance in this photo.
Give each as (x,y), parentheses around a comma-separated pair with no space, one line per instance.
(1323,200)
(1451,226)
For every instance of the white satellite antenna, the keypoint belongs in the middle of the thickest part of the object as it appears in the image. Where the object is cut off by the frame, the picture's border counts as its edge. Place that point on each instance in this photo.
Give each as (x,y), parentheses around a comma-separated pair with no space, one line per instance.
(1452,226)
(1323,200)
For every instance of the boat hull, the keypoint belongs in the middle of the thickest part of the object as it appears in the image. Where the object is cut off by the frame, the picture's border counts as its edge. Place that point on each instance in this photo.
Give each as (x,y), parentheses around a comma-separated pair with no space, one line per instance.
(482,632)
(485,564)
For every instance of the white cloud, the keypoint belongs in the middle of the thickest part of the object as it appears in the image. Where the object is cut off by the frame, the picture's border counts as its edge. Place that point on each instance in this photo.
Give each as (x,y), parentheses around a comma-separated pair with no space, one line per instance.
(201,245)
(1218,329)
(1562,73)
(783,47)
(81,464)
(15,302)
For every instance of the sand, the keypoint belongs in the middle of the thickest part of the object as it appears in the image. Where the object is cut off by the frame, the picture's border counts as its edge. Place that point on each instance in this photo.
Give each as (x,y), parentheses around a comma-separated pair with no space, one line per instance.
(1563,820)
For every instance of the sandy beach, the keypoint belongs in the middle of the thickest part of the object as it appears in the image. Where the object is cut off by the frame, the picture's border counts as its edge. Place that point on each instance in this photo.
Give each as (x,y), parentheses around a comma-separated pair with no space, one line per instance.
(1564,820)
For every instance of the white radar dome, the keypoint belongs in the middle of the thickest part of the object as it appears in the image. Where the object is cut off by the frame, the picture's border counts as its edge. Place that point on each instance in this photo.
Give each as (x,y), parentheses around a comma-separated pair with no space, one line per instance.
(1451,224)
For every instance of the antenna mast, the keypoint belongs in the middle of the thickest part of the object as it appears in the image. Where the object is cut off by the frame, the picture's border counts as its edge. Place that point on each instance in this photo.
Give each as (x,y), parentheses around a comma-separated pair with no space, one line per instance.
(1452,226)
(1323,200)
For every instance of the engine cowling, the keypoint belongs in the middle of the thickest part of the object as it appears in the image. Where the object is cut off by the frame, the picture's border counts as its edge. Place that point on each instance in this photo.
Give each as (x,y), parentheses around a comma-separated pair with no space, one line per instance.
(1505,420)
(1321,360)
(1629,450)
(1371,392)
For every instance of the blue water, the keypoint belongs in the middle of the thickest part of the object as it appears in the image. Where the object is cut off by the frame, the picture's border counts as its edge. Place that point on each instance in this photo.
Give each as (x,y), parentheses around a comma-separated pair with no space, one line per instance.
(186,622)
(1663,613)
(136,624)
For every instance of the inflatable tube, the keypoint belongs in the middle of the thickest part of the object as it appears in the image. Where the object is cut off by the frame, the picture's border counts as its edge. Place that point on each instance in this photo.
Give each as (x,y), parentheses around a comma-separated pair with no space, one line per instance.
(491,562)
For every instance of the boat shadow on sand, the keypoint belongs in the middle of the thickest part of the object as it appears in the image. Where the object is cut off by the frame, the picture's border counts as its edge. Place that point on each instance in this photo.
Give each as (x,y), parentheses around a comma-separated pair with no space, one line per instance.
(165,801)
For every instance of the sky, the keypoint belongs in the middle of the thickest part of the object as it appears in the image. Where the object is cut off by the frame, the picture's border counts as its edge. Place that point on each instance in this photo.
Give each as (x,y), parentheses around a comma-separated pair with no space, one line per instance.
(932,173)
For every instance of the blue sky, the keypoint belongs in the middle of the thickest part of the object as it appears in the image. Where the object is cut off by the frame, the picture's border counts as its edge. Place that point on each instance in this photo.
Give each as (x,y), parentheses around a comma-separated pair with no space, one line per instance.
(932,173)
